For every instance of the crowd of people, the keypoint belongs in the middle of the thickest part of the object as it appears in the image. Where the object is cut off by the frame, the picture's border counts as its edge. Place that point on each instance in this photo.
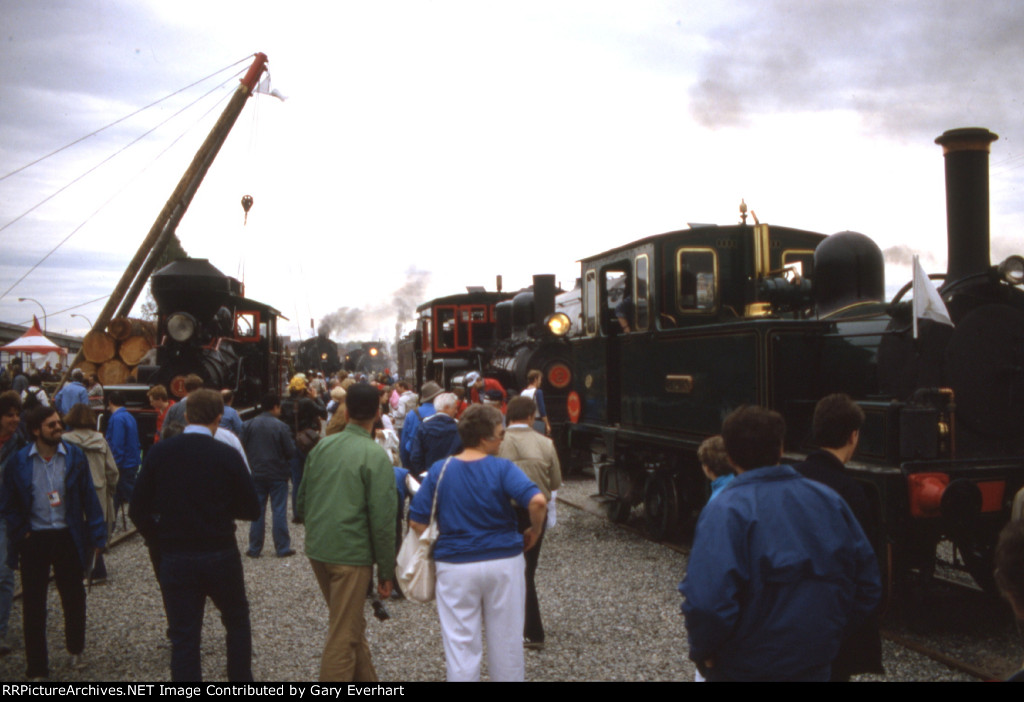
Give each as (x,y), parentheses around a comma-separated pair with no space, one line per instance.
(782,582)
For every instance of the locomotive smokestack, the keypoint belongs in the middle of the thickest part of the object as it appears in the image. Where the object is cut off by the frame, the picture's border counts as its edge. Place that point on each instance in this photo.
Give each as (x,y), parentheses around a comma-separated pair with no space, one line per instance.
(967,212)
(543,297)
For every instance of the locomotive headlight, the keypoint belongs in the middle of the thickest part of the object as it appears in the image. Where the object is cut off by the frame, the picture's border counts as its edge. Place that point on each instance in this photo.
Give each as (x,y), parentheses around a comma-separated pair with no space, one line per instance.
(1012,270)
(558,324)
(373,352)
(181,326)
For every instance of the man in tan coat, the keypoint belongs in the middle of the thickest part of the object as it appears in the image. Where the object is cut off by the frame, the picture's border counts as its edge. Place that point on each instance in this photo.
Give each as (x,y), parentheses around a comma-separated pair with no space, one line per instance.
(535,455)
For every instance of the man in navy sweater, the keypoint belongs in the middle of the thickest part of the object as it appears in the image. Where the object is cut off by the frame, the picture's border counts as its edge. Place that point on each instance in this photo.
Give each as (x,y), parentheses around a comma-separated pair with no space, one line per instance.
(190,491)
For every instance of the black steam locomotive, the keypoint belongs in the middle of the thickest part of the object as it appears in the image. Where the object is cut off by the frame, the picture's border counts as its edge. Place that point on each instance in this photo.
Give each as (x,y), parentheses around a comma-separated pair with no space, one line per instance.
(368,357)
(208,327)
(681,328)
(318,354)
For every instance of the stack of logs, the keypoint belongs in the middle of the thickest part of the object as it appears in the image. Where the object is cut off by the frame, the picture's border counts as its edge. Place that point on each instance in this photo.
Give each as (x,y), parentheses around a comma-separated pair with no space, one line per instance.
(113,355)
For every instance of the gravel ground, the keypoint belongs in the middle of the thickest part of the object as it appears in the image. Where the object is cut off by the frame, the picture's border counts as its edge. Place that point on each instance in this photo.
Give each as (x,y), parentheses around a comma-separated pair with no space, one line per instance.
(611,612)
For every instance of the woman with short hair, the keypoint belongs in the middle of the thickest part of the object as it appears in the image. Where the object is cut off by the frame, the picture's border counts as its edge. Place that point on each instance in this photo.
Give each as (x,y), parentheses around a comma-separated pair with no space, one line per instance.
(479,551)
(82,424)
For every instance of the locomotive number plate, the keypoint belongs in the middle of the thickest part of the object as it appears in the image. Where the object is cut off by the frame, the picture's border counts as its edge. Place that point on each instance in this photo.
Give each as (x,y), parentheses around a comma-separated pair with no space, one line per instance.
(681,384)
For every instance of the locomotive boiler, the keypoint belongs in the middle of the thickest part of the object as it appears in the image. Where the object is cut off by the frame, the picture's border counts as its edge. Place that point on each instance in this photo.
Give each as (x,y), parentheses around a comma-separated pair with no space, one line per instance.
(681,328)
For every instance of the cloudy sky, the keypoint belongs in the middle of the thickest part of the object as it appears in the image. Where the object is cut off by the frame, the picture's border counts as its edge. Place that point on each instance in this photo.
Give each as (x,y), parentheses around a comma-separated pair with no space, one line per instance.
(426,146)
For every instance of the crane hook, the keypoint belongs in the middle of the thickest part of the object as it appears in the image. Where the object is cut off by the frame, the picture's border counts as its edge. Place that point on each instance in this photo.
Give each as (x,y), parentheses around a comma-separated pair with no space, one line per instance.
(246,205)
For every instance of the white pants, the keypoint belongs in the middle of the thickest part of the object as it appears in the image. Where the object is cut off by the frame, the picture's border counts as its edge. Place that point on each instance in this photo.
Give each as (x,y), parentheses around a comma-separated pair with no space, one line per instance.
(471,596)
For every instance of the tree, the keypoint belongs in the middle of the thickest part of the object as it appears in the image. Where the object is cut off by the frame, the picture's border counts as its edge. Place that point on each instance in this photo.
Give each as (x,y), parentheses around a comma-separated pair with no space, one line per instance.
(172,252)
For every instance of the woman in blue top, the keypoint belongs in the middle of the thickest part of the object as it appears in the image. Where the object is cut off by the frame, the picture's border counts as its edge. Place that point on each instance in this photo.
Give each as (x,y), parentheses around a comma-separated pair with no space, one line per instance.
(479,552)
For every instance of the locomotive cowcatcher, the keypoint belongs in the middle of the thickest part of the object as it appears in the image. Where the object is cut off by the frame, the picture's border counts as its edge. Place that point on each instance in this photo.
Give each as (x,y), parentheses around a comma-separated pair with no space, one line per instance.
(681,328)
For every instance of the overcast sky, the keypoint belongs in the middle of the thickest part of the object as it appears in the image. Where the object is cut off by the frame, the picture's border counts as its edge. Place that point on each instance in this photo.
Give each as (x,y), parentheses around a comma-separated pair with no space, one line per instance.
(426,146)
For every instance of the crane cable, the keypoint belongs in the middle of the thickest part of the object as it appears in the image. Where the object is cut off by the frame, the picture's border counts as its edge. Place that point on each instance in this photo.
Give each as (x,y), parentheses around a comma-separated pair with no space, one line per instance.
(112,156)
(125,186)
(116,122)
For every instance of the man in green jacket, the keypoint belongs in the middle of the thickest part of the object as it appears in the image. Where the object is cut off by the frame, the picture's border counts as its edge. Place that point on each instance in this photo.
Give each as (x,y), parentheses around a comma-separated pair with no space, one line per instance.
(348,501)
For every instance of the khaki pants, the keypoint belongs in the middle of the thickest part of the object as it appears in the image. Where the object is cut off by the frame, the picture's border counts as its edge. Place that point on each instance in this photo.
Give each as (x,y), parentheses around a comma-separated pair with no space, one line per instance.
(346,653)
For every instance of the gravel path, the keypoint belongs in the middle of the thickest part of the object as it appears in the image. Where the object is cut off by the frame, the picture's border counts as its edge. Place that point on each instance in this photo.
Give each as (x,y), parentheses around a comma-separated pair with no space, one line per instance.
(611,612)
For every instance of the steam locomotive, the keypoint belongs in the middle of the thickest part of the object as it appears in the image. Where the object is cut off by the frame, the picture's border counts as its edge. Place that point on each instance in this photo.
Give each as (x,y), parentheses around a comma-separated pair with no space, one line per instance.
(318,354)
(681,328)
(503,335)
(208,327)
(369,357)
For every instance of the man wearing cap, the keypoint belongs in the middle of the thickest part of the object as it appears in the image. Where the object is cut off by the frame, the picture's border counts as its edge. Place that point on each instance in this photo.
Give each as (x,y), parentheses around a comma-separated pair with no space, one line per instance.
(301,410)
(415,418)
(349,504)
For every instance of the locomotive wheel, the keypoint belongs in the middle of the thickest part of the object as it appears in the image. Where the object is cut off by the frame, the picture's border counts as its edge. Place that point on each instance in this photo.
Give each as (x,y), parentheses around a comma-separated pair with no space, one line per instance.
(616,482)
(661,506)
(619,511)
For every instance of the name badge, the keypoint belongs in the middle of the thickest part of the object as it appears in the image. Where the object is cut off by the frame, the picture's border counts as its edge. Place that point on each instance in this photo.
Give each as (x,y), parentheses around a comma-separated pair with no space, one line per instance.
(54,498)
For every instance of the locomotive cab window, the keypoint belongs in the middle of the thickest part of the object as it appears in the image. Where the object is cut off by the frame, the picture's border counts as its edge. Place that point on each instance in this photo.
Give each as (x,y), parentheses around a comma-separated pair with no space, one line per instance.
(696,281)
(617,294)
(247,326)
(445,323)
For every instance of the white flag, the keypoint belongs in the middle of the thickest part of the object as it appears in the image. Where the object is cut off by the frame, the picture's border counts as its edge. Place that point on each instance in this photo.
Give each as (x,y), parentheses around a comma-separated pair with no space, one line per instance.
(928,303)
(264,87)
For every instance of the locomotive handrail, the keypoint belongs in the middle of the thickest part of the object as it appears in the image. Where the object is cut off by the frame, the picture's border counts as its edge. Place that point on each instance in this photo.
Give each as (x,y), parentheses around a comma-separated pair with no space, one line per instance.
(910,284)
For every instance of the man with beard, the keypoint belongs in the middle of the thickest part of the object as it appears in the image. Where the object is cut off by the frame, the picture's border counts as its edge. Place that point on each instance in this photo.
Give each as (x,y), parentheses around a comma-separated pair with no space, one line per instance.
(53,519)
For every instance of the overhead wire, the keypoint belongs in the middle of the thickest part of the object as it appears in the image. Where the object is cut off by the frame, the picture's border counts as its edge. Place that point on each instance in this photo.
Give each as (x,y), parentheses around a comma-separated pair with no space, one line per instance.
(122,119)
(122,189)
(113,155)
(67,309)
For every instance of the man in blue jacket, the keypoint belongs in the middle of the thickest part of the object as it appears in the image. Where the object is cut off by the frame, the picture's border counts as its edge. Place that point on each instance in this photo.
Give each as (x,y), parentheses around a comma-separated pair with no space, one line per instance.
(415,418)
(437,437)
(270,448)
(53,519)
(123,438)
(780,570)
(190,492)
(72,394)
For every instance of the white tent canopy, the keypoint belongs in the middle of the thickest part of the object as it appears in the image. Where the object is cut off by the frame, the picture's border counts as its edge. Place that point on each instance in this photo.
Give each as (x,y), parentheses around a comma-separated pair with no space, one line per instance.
(34,344)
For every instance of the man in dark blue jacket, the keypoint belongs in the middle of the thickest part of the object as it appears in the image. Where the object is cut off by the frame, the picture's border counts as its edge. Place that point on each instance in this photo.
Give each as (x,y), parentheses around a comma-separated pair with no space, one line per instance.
(270,448)
(72,394)
(123,438)
(437,437)
(780,570)
(836,425)
(190,491)
(53,519)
